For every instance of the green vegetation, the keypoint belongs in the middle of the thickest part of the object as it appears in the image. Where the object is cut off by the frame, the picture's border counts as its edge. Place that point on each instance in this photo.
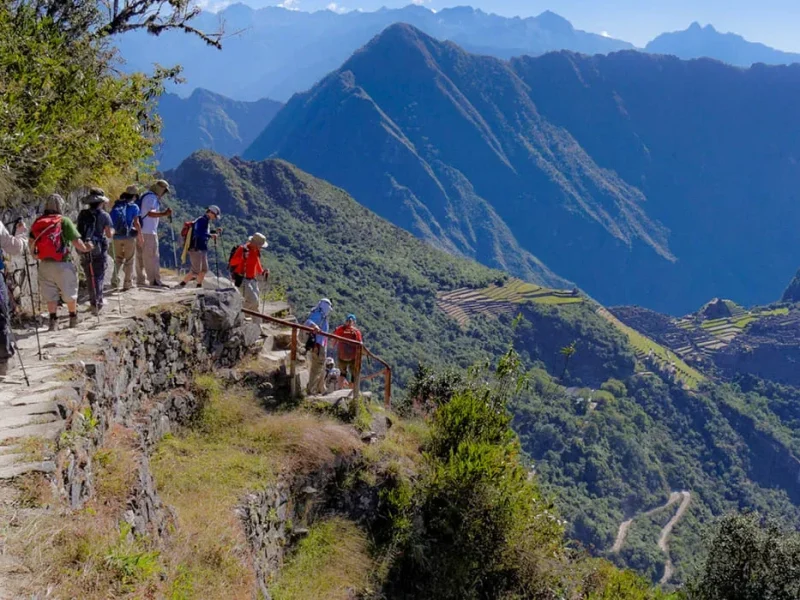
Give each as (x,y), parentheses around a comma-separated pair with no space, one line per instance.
(749,560)
(331,562)
(70,118)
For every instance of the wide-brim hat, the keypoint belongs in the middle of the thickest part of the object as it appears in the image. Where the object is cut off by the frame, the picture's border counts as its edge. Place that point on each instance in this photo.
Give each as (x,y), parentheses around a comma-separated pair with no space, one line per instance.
(259,240)
(132,190)
(161,184)
(92,199)
(215,209)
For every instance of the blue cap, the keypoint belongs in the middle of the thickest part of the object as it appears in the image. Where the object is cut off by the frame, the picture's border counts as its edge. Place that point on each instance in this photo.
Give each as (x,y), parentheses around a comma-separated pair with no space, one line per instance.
(351,317)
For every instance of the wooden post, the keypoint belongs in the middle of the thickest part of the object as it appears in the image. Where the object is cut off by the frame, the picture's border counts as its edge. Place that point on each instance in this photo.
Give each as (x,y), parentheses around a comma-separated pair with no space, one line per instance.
(387,388)
(293,365)
(357,374)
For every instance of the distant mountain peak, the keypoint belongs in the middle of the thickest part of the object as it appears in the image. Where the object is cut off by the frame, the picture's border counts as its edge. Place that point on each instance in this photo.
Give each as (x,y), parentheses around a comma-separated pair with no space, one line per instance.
(554,22)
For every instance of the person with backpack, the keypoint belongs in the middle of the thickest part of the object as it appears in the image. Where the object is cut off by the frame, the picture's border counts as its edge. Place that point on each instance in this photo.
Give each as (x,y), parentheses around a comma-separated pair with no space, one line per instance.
(347,354)
(95,226)
(245,266)
(49,241)
(127,231)
(197,245)
(14,245)
(148,260)
(317,346)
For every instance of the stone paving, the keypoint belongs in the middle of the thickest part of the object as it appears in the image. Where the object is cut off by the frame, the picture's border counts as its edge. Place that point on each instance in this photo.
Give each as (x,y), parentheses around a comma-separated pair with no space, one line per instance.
(32,413)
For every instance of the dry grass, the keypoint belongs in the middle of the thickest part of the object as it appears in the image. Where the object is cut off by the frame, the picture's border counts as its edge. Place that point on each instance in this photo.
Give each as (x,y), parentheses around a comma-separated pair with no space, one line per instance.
(86,554)
(332,563)
(203,473)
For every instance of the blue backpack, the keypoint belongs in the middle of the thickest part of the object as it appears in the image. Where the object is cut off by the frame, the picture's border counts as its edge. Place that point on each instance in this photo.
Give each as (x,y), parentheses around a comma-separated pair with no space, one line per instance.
(122,216)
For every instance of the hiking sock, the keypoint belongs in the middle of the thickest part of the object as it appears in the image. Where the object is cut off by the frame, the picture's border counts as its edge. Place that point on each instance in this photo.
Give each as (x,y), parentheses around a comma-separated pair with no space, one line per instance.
(73,320)
(199,285)
(53,322)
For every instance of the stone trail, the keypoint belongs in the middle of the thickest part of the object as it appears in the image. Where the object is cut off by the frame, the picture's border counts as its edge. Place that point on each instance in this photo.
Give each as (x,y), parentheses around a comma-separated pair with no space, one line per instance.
(32,418)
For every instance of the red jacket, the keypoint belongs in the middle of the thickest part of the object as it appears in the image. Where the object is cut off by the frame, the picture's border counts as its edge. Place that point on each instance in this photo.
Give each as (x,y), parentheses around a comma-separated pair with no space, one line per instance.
(347,351)
(249,265)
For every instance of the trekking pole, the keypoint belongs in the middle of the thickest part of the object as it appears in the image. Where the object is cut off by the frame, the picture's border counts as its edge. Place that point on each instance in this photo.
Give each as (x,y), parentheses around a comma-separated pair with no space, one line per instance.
(19,355)
(30,287)
(216,258)
(117,269)
(264,294)
(94,284)
(174,254)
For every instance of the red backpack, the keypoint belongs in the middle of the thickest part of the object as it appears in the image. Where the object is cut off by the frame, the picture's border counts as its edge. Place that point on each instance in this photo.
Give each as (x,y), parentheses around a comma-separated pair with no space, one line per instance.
(48,243)
(348,351)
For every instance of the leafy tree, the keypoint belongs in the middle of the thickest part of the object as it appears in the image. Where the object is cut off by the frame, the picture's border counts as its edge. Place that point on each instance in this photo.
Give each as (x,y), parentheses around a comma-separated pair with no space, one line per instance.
(69,117)
(750,560)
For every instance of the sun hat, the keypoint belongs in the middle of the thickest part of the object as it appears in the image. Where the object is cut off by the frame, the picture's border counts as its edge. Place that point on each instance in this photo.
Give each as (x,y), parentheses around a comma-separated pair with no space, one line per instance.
(161,184)
(132,190)
(259,240)
(215,209)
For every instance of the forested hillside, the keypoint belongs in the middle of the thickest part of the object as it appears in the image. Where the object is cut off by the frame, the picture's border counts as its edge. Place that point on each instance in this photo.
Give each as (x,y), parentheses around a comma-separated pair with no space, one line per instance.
(610,435)
(634,175)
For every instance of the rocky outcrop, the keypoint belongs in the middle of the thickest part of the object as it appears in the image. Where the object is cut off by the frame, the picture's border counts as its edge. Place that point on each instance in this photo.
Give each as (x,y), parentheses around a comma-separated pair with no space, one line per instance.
(138,380)
(716,309)
(792,293)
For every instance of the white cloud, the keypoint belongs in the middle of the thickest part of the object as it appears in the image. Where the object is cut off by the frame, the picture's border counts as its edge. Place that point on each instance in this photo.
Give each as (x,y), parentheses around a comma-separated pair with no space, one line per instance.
(290,4)
(213,5)
(605,34)
(336,8)
(418,2)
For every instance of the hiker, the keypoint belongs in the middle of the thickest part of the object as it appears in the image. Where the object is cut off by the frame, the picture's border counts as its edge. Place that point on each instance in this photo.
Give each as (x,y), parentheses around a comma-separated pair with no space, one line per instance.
(127,232)
(347,353)
(245,265)
(316,346)
(49,240)
(148,265)
(332,376)
(14,245)
(197,245)
(95,226)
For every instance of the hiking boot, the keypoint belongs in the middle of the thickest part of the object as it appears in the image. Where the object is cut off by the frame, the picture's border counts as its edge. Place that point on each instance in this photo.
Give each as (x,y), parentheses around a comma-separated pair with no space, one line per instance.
(199,286)
(4,367)
(73,321)
(159,284)
(95,310)
(127,287)
(53,324)
(181,285)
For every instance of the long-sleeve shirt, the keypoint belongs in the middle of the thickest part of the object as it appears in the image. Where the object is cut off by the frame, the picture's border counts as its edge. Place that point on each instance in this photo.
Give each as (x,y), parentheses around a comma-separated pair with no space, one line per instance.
(249,265)
(320,320)
(347,351)
(13,244)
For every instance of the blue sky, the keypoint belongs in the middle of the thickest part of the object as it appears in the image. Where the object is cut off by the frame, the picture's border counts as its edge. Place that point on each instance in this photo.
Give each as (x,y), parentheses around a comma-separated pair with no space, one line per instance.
(773,22)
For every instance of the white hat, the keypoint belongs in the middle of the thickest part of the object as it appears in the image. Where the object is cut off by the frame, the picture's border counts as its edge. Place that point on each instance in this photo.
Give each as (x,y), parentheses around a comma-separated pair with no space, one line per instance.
(259,240)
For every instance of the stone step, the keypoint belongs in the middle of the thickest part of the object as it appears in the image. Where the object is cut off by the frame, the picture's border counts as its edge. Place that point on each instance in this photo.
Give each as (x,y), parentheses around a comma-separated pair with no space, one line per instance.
(48,431)
(17,421)
(12,471)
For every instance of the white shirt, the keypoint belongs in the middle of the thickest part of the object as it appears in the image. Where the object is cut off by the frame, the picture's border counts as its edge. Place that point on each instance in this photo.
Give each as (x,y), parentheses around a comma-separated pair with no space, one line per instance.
(150,203)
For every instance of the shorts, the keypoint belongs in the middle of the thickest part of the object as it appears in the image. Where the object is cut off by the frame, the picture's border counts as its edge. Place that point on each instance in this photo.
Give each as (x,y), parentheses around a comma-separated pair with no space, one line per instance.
(199,261)
(58,280)
(345,367)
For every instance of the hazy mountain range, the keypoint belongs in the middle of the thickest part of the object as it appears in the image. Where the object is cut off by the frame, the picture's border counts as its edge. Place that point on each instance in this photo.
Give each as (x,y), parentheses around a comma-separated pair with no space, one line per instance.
(206,120)
(645,179)
(273,52)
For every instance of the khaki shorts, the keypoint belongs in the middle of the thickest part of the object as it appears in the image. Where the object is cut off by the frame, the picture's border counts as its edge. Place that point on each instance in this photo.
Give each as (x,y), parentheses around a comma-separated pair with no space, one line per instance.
(346,367)
(58,280)
(198,260)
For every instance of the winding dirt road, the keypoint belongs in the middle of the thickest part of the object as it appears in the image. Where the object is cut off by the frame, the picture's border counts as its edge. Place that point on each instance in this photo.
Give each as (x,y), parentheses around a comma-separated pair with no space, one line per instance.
(663,539)
(622,533)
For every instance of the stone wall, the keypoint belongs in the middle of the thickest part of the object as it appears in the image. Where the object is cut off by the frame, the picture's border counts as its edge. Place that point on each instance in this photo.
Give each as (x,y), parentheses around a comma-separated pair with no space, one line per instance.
(138,379)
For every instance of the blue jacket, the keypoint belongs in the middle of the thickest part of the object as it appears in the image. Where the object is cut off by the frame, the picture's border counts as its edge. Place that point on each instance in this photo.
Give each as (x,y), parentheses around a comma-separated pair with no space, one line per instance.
(319,317)
(201,233)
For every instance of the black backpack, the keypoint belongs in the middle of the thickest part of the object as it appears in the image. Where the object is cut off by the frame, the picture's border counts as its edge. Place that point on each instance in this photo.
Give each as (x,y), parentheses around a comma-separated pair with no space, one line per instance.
(87,228)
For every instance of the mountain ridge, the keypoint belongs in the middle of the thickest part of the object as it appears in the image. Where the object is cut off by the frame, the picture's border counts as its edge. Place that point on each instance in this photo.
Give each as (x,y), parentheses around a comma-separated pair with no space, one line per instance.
(207,120)
(409,121)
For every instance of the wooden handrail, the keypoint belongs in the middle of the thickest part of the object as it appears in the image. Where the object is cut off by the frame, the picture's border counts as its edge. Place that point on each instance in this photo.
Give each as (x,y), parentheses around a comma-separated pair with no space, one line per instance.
(387,370)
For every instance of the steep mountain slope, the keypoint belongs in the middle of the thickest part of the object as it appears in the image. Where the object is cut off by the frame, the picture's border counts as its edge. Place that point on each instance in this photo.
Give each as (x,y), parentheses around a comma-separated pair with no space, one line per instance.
(206,120)
(698,41)
(276,52)
(612,449)
(645,179)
